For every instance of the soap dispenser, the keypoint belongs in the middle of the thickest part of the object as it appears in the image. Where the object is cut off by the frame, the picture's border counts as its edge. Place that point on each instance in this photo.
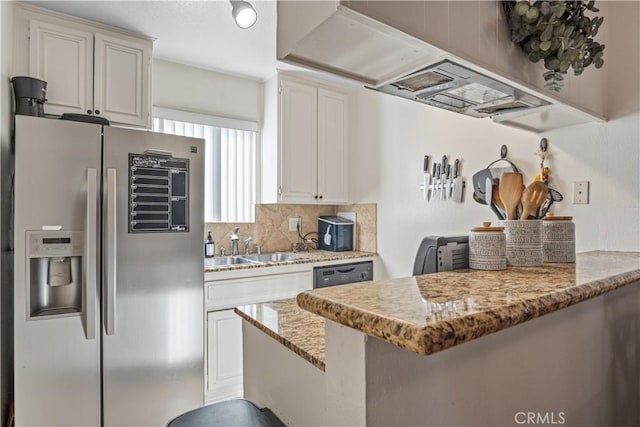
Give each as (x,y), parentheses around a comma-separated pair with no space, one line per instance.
(209,246)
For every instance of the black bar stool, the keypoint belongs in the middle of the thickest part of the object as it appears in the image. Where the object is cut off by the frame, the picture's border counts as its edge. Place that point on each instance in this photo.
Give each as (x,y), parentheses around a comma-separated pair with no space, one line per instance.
(236,413)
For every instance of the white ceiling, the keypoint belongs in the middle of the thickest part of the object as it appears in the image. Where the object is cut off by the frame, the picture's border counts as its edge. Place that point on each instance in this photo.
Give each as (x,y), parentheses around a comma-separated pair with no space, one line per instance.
(199,33)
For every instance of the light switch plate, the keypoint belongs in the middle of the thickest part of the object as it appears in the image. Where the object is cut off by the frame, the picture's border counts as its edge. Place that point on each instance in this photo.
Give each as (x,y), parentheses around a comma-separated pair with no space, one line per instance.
(581,192)
(293,224)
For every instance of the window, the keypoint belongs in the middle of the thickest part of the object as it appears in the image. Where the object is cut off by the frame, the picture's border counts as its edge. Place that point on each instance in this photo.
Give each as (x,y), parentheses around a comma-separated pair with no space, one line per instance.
(230,161)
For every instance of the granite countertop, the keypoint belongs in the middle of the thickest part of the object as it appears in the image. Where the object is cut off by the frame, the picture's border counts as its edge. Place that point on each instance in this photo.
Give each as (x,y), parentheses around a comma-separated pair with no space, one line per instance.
(430,313)
(295,328)
(306,257)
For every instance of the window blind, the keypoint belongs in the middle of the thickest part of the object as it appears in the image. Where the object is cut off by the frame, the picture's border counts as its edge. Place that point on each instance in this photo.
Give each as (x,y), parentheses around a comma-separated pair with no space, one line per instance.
(230,168)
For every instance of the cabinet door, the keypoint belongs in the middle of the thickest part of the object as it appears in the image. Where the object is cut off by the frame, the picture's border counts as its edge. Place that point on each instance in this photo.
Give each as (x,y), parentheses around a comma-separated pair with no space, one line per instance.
(333,136)
(63,57)
(298,143)
(224,356)
(122,77)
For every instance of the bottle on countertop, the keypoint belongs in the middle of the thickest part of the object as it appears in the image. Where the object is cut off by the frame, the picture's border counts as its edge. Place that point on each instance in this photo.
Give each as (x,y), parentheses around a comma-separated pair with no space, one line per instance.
(209,246)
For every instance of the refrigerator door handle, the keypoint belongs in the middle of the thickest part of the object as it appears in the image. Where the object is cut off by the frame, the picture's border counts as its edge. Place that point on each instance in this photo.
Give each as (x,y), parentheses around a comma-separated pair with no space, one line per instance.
(111,253)
(90,255)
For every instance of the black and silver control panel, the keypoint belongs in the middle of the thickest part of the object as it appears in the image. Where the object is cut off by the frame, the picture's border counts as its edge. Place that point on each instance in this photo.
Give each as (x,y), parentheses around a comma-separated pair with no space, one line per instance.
(341,274)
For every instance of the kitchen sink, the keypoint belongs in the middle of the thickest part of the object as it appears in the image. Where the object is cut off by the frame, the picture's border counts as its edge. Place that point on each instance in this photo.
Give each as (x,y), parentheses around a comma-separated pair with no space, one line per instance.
(275,257)
(227,260)
(249,259)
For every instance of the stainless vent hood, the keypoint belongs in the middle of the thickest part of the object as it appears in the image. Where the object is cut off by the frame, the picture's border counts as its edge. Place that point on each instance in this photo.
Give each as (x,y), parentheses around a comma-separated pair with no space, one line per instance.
(349,44)
(329,36)
(462,90)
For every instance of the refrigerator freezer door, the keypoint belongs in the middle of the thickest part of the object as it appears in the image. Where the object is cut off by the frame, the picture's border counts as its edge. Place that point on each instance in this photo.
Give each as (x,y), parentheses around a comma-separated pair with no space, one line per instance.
(57,361)
(153,351)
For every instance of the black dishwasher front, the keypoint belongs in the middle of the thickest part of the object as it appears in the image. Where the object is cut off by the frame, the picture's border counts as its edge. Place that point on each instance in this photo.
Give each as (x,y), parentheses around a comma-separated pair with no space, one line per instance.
(341,274)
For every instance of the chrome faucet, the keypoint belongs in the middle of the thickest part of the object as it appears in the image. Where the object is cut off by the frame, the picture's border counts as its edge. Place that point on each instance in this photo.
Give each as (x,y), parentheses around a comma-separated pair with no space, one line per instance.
(246,245)
(234,241)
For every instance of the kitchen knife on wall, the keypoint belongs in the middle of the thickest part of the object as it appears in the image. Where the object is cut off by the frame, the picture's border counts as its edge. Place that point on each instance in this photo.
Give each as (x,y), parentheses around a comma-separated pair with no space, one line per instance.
(432,190)
(437,184)
(441,181)
(456,190)
(426,178)
(448,182)
(443,176)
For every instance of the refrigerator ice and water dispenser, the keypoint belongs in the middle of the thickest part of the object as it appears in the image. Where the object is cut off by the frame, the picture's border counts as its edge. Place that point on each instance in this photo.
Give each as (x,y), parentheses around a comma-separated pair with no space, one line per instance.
(54,273)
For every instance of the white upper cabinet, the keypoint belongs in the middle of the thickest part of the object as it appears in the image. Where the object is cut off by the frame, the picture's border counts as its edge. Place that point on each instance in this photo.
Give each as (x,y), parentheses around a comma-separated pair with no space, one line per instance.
(63,57)
(333,125)
(299,142)
(121,78)
(305,143)
(89,68)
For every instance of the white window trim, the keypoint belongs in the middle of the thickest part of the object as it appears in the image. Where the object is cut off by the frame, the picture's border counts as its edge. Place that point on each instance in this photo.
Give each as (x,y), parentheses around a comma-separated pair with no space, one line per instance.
(204,119)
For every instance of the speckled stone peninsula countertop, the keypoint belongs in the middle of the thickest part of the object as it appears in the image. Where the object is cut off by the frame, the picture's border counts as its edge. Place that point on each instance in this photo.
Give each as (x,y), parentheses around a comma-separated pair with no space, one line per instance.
(299,330)
(430,313)
(305,257)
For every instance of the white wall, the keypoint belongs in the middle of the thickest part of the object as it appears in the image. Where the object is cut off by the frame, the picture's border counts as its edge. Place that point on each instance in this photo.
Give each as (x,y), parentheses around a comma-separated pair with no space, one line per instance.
(392,135)
(609,155)
(194,89)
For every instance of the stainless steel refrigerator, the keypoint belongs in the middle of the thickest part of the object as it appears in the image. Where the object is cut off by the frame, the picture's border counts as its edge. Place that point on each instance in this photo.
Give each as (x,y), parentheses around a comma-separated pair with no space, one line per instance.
(108,275)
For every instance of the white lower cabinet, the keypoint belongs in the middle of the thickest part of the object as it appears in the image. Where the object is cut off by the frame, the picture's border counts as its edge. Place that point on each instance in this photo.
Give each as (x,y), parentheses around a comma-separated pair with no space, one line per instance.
(223,345)
(224,361)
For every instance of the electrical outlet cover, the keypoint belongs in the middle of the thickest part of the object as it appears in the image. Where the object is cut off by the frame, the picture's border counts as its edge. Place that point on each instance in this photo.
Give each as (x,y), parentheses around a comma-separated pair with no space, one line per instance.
(293,224)
(581,192)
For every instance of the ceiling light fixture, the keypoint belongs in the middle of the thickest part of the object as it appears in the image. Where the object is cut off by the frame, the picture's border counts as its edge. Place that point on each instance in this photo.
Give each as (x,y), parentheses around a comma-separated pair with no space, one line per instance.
(243,13)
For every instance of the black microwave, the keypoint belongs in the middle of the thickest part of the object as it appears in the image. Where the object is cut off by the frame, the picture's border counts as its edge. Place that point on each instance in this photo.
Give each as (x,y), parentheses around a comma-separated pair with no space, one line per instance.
(335,234)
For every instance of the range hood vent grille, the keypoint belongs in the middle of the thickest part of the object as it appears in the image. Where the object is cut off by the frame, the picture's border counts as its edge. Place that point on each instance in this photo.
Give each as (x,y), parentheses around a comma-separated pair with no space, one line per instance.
(454,87)
(422,81)
(503,108)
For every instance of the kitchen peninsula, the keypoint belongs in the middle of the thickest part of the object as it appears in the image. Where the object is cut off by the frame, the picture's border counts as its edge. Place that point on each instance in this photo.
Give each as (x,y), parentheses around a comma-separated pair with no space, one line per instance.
(422,350)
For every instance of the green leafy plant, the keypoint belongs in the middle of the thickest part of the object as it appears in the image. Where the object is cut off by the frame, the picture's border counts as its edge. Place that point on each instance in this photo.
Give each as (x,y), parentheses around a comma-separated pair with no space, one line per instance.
(557,32)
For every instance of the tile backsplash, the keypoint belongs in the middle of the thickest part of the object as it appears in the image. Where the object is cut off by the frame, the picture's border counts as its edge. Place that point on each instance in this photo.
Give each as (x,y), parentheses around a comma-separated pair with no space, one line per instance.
(271,226)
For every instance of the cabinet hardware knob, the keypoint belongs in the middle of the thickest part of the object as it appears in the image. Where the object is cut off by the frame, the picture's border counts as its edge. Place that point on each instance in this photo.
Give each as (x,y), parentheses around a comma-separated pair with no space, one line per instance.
(321,197)
(89,111)
(97,111)
(315,197)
